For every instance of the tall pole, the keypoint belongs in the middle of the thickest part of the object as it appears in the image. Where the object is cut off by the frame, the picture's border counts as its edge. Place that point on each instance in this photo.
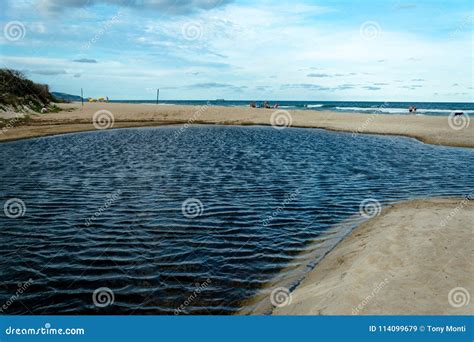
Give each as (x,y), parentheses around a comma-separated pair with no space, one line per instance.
(82,98)
(157,95)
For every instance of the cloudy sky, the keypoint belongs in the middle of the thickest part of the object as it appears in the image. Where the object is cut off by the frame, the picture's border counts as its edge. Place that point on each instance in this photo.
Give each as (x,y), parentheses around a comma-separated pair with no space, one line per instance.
(207,49)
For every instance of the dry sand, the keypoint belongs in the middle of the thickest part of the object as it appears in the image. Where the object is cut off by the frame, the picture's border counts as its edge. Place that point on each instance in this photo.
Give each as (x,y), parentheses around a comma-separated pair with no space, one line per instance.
(429,129)
(403,262)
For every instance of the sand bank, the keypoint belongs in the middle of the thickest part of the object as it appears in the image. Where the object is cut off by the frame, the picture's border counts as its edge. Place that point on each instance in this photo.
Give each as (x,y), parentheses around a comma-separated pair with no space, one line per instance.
(405,261)
(429,129)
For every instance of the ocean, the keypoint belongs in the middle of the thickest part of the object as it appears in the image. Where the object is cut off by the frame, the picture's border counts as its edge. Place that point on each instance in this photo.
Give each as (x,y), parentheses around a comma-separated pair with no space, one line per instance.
(423,108)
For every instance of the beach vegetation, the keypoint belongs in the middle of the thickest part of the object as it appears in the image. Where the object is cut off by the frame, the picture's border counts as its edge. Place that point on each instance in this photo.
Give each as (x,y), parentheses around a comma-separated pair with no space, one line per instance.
(20,94)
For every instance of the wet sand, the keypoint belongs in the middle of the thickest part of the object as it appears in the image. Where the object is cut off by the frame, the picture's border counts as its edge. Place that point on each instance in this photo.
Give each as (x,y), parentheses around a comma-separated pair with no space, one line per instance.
(428,129)
(405,261)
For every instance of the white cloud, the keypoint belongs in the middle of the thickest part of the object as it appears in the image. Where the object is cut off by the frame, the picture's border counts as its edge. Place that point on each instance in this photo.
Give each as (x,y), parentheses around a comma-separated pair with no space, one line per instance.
(262,47)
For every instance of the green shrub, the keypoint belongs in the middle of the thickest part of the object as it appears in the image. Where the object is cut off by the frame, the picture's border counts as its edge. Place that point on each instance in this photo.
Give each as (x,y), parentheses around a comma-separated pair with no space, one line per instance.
(16,90)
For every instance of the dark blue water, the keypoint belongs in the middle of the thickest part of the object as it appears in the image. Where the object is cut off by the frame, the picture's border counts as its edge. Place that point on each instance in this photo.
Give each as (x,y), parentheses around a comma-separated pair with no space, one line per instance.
(104,209)
(423,108)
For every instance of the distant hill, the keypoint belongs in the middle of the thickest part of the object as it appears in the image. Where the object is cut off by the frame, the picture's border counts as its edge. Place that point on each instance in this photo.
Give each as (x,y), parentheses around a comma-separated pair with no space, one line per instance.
(66,97)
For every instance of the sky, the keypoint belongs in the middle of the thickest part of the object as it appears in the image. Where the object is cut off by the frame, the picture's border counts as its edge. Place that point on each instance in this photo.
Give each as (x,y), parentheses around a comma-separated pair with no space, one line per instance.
(244,50)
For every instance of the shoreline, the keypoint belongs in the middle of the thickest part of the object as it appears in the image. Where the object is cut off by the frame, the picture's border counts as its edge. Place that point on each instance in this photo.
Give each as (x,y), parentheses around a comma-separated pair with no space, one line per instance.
(433,130)
(292,277)
(404,261)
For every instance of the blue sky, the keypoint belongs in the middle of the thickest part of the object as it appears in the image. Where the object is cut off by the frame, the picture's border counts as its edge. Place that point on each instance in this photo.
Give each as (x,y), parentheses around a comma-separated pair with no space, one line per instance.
(208,49)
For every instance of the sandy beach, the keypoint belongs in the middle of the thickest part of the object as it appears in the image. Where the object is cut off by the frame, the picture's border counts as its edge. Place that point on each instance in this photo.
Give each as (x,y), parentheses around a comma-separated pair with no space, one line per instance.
(73,118)
(405,261)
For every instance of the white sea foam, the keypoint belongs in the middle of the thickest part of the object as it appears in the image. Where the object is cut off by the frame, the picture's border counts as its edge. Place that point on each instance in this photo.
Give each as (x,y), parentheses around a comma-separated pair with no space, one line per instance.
(374,109)
(314,105)
(391,110)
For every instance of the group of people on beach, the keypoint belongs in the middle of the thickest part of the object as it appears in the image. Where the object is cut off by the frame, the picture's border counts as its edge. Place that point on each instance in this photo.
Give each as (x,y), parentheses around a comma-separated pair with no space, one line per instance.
(265,104)
(412,109)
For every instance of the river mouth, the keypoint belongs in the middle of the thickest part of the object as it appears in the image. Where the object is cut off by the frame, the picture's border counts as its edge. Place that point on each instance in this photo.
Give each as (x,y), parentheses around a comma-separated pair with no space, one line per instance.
(191,220)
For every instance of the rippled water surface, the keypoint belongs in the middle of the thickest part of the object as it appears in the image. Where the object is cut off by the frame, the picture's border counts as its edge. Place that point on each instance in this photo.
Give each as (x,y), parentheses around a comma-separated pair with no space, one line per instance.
(104,209)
